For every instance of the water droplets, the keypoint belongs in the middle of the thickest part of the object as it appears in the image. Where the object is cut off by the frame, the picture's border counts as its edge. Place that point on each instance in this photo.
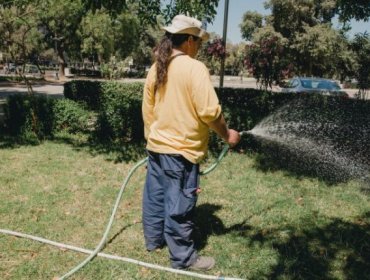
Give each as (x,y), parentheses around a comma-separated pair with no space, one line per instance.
(327,139)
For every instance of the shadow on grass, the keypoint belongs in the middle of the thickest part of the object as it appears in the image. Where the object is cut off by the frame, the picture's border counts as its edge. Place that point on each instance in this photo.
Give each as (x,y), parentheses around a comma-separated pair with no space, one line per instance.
(314,253)
(7,142)
(116,152)
(118,233)
(207,224)
(317,252)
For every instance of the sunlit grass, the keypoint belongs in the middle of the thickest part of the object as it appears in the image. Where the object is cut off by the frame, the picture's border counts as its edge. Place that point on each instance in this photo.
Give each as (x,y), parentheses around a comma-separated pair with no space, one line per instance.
(257,224)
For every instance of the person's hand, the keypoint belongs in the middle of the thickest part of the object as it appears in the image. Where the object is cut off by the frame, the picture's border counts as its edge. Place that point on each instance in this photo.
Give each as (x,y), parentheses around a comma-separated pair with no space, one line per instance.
(233,137)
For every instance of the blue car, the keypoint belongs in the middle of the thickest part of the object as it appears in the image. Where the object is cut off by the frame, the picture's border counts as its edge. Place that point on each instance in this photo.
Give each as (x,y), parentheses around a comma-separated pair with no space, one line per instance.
(313,85)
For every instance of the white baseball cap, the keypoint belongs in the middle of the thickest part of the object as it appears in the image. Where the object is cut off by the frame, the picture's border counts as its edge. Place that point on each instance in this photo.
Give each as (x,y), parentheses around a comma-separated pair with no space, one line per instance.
(182,24)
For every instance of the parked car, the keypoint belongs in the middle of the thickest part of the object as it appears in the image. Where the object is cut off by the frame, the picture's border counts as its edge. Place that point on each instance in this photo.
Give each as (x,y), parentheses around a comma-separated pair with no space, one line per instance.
(313,85)
(31,70)
(10,68)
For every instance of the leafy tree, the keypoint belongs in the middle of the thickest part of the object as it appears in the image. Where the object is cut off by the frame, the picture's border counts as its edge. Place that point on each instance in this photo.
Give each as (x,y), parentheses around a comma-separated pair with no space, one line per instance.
(344,61)
(357,9)
(201,9)
(126,29)
(143,53)
(211,62)
(60,20)
(113,7)
(317,50)
(96,32)
(234,62)
(264,57)
(147,11)
(216,48)
(361,47)
(20,39)
(251,21)
(290,16)
(17,3)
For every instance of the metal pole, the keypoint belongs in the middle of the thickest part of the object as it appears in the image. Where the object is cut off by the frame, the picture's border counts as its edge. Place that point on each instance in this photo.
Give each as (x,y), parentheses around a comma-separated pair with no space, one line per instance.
(226,14)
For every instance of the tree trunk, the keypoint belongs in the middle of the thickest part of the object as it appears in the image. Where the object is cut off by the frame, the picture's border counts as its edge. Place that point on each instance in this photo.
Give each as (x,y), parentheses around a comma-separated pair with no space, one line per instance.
(62,62)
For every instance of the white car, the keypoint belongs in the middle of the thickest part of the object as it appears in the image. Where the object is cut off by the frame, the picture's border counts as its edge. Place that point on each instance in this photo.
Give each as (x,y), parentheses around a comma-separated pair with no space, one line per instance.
(313,85)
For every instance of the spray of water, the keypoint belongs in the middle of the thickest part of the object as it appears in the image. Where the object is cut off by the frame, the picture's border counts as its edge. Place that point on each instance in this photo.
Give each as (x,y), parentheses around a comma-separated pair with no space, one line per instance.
(331,143)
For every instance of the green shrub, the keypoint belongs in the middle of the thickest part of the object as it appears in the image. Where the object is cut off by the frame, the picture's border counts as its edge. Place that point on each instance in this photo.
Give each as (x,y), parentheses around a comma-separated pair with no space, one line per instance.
(119,107)
(27,115)
(86,92)
(72,116)
(119,116)
(119,112)
(243,108)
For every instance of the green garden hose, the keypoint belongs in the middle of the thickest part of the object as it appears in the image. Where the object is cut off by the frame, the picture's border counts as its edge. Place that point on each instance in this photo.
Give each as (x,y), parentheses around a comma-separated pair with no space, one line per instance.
(214,165)
(110,223)
(102,242)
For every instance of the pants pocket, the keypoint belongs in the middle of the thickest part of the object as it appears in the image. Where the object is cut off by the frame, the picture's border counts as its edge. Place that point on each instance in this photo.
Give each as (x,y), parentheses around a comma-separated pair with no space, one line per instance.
(182,180)
(184,203)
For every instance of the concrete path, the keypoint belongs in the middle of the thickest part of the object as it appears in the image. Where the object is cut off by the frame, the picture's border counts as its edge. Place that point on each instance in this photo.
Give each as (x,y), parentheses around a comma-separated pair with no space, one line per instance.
(55,89)
(50,89)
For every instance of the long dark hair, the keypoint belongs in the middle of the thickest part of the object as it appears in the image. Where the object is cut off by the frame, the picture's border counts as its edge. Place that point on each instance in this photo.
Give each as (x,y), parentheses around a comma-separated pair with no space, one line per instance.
(163,53)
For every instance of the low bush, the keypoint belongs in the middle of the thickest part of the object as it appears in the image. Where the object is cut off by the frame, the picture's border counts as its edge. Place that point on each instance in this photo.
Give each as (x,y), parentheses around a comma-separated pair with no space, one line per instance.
(113,111)
(39,117)
(119,108)
(85,92)
(29,115)
(72,116)
(244,108)
(119,115)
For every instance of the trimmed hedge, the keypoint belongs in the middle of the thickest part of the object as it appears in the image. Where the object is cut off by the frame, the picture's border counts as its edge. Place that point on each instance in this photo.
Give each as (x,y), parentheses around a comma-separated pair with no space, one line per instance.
(113,116)
(28,115)
(40,117)
(244,108)
(118,107)
(85,92)
(119,114)
(72,117)
(112,111)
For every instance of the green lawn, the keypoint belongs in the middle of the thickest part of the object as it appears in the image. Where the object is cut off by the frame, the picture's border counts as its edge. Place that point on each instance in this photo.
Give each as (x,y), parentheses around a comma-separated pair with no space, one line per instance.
(257,224)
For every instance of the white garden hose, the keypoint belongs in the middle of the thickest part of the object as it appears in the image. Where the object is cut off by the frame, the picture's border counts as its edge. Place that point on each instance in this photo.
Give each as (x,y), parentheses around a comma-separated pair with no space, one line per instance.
(114,257)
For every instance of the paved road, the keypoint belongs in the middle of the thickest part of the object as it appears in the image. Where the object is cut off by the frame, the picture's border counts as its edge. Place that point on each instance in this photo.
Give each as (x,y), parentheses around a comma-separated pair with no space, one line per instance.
(56,89)
(50,89)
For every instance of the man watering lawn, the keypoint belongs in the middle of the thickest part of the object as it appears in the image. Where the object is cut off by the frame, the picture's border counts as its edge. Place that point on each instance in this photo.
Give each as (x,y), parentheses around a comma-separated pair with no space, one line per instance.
(179,107)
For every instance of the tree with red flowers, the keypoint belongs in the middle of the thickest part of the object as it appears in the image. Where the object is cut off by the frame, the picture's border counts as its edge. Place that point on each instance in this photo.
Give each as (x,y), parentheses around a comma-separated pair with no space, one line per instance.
(212,54)
(216,49)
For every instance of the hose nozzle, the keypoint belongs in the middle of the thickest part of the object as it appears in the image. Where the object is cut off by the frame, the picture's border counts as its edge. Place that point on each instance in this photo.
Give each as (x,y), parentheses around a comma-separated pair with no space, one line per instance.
(245,132)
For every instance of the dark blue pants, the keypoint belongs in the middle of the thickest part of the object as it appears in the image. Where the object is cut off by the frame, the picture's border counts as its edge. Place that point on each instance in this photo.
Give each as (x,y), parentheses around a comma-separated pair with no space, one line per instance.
(169,200)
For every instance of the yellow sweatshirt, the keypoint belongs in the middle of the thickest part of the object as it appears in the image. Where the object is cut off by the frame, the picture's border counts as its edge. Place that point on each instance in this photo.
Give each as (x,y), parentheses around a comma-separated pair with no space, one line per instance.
(176,116)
